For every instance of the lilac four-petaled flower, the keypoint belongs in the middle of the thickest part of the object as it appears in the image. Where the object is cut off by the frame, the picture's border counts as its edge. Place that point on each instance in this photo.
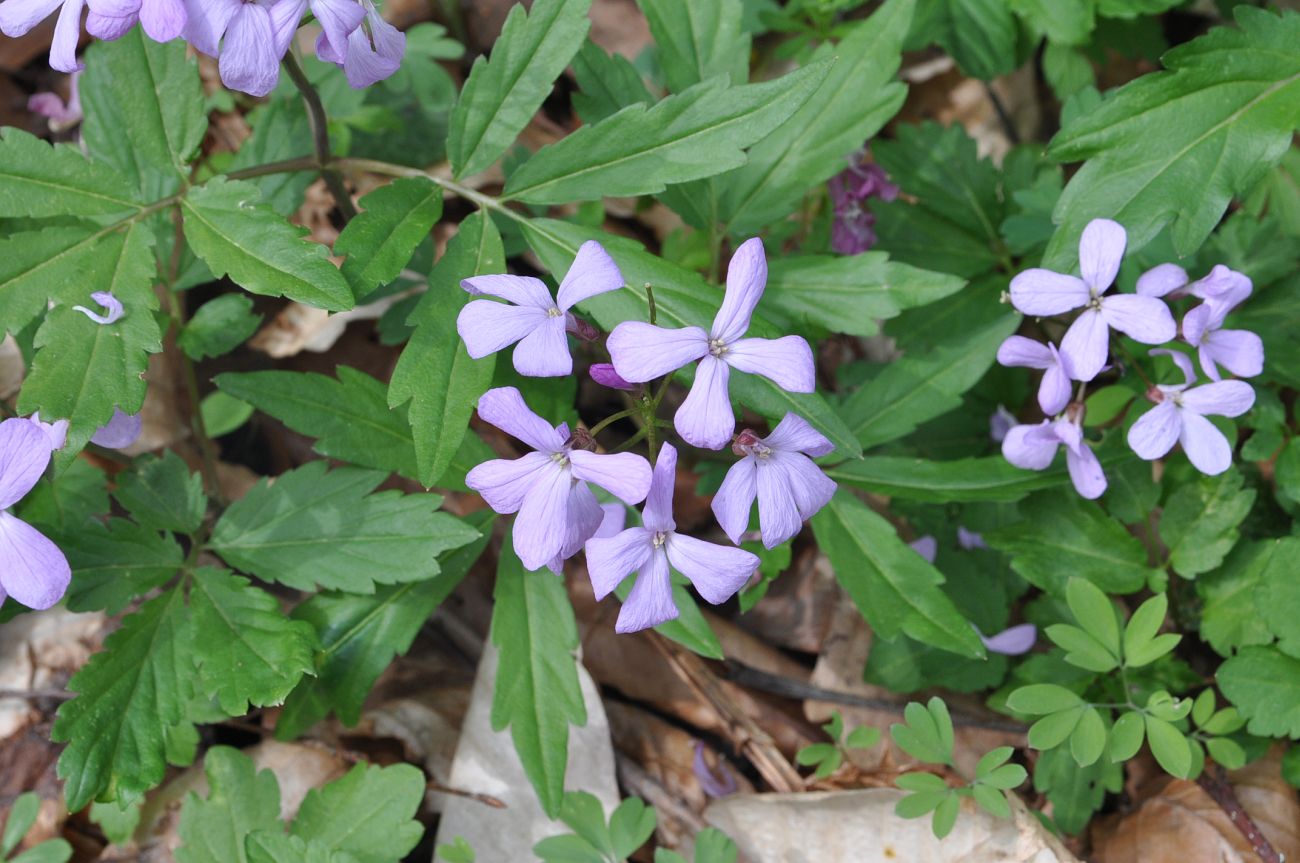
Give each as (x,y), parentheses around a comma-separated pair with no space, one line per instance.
(558,513)
(530,316)
(651,550)
(1054,390)
(1239,351)
(32,569)
(1085,346)
(372,50)
(1034,446)
(1180,417)
(642,352)
(778,471)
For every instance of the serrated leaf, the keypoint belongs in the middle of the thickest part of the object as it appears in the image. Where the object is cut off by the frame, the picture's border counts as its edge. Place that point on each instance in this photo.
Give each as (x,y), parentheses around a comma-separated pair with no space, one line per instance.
(1264,684)
(237,235)
(310,528)
(163,493)
(1199,521)
(503,92)
(73,499)
(380,241)
(241,800)
(537,691)
(698,41)
(1231,615)
(642,149)
(896,590)
(38,179)
(281,131)
(979,34)
(1278,596)
(54,263)
(219,326)
(1224,113)
(435,372)
(607,83)
(114,563)
(273,846)
(118,823)
(368,813)
(349,416)
(127,695)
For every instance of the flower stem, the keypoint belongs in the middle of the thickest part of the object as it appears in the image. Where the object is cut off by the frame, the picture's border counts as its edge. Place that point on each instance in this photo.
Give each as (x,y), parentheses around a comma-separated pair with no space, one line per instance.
(320,136)
(600,426)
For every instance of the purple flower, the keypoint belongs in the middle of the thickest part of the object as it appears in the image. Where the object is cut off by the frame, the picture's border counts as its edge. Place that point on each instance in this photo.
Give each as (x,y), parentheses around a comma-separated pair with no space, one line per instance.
(548,488)
(1179,417)
(717,571)
(969,540)
(1001,421)
(17,17)
(926,546)
(1221,285)
(714,782)
(604,374)
(56,432)
(371,51)
(777,470)
(120,432)
(162,20)
(643,352)
(1239,351)
(61,116)
(1033,447)
(110,303)
(1012,641)
(32,569)
(1084,348)
(611,522)
(530,316)
(1054,390)
(249,38)
(853,230)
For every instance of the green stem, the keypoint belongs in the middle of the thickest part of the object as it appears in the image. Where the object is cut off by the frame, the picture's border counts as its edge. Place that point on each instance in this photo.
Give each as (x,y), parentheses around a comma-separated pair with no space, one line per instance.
(600,426)
(320,135)
(650,302)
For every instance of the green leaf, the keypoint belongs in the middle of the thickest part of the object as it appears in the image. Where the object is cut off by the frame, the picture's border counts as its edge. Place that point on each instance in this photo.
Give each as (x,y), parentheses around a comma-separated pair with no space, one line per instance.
(281,131)
(273,846)
(863,737)
(991,800)
(690,628)
(1082,649)
(1063,22)
(537,691)
(118,823)
(926,733)
(435,372)
(1075,792)
(896,590)
(69,502)
(222,414)
(853,102)
(1042,698)
(1278,596)
(456,851)
(22,815)
(37,179)
(1199,521)
(1094,613)
(630,826)
(502,93)
(849,293)
(380,241)
(50,851)
(991,479)
(1224,113)
(682,299)
(1053,730)
(1231,616)
(1169,746)
(1088,740)
(349,415)
(1140,633)
(144,110)
(54,263)
(138,686)
(359,636)
(310,528)
(979,34)
(916,389)
(236,235)
(945,816)
(642,149)
(241,799)
(1264,684)
(1227,752)
(219,326)
(251,653)
(568,849)
(606,83)
(114,563)
(698,41)
(1062,536)
(369,813)
(713,846)
(815,753)
(1126,736)
(585,815)
(163,494)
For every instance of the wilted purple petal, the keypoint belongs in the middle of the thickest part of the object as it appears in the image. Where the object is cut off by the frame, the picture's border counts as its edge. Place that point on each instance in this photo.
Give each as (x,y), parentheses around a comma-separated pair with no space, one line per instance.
(1031,447)
(24,455)
(714,783)
(1085,472)
(926,546)
(486,327)
(611,559)
(651,601)
(657,515)
(1101,250)
(794,434)
(505,408)
(1043,292)
(625,475)
(1012,641)
(604,374)
(1001,421)
(1086,345)
(1144,319)
(705,418)
(112,305)
(787,361)
(746,279)
(504,483)
(541,525)
(1162,280)
(1222,398)
(1156,431)
(642,352)
(717,571)
(735,498)
(32,568)
(778,515)
(969,539)
(544,353)
(1206,447)
(593,272)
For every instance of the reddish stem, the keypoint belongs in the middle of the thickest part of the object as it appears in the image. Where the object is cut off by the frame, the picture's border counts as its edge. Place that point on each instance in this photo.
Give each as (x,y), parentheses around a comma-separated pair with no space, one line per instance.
(1221,792)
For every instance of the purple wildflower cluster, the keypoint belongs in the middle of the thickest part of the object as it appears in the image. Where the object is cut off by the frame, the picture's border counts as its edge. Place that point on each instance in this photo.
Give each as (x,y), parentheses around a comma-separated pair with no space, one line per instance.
(854,228)
(248,38)
(550,489)
(1180,411)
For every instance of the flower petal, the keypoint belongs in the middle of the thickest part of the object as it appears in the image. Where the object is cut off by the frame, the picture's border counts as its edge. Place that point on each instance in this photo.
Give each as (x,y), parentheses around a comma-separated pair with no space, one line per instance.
(162,20)
(605,375)
(1145,319)
(542,523)
(1012,641)
(651,601)
(206,21)
(63,47)
(1206,447)
(1085,472)
(505,408)
(625,475)
(1020,352)
(778,514)
(584,519)
(1197,321)
(1184,363)
(487,327)
(1156,431)
(32,568)
(735,498)
(19,16)
(111,304)
(657,514)
(1043,292)
(504,482)
(120,431)
(705,418)
(1054,391)
(1161,280)
(787,361)
(794,434)
(717,571)
(1222,398)
(337,18)
(642,352)
(1085,345)
(544,353)
(746,279)
(375,55)
(248,61)
(926,546)
(1239,351)
(1031,447)
(610,560)
(520,290)
(1101,250)
(593,272)
(810,488)
(611,523)
(1222,284)
(24,455)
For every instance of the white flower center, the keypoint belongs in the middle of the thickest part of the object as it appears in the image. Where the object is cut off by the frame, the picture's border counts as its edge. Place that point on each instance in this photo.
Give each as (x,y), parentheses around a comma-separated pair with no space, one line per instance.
(717,347)
(659,539)
(553,312)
